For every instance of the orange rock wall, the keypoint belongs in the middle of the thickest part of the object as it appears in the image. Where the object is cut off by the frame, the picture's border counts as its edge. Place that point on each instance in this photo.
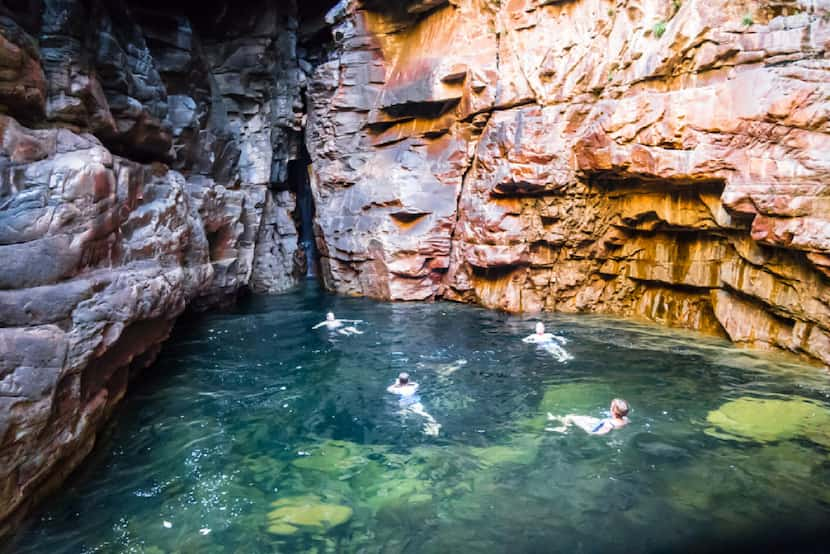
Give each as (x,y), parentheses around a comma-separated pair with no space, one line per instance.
(656,159)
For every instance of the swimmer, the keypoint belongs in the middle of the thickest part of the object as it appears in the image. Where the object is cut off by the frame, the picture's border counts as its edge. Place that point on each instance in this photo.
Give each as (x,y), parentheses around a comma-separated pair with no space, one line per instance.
(540,337)
(333,324)
(410,402)
(592,425)
(447,370)
(549,342)
(403,386)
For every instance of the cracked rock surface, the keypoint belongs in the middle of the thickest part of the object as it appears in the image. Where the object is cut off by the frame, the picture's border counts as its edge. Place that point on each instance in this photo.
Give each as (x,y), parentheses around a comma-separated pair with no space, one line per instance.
(643,158)
(143,163)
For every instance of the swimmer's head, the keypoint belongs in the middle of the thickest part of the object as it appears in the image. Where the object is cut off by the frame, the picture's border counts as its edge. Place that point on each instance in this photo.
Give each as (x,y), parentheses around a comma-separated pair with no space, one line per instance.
(540,328)
(619,407)
(403,378)
(330,316)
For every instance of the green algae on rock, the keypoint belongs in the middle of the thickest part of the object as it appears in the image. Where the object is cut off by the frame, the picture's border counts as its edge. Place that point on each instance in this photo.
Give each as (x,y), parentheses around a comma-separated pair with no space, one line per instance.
(521,450)
(576,397)
(770,419)
(398,491)
(334,456)
(307,513)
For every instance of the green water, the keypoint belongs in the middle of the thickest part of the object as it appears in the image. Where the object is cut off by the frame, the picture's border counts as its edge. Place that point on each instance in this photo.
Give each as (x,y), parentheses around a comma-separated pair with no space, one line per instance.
(251,408)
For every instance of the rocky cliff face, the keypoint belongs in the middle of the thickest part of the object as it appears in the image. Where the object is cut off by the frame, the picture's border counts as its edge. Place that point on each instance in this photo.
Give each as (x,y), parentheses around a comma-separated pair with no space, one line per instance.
(651,158)
(143,165)
(666,160)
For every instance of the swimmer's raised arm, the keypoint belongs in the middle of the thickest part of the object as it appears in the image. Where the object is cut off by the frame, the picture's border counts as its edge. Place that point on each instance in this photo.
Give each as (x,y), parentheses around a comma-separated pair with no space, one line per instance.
(319,324)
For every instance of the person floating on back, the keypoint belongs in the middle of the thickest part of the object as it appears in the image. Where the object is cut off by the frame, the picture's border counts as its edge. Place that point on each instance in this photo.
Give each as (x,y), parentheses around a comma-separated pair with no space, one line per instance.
(593,425)
(333,324)
(551,343)
(411,402)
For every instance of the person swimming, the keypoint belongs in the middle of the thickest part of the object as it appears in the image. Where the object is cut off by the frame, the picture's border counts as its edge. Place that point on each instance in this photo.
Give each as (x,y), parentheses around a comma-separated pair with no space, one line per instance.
(540,336)
(549,342)
(403,386)
(411,402)
(592,425)
(333,324)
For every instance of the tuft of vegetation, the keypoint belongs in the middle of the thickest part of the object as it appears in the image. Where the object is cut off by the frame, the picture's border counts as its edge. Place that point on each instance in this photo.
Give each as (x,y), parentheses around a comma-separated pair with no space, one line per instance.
(611,12)
(659,28)
(747,20)
(676,4)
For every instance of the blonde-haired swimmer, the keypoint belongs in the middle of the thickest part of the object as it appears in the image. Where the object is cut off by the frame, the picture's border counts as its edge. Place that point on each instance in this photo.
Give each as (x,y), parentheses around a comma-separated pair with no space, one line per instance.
(593,425)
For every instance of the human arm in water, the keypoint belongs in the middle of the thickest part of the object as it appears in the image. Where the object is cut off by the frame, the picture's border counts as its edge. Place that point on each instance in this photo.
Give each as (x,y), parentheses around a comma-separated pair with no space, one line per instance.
(319,324)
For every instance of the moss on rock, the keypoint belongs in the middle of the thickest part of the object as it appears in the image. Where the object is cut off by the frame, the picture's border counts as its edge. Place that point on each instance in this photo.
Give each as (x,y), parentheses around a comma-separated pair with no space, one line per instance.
(306,513)
(770,419)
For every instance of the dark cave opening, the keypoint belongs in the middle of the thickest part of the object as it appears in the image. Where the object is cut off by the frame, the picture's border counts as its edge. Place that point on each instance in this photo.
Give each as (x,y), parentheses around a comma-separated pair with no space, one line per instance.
(299,183)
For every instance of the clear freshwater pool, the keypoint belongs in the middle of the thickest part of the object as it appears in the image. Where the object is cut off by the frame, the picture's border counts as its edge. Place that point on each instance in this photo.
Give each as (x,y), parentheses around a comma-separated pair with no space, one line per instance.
(253,433)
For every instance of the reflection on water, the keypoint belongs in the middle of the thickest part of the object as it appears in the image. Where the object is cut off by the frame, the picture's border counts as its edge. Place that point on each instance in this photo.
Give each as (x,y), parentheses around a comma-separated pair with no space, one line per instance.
(253,433)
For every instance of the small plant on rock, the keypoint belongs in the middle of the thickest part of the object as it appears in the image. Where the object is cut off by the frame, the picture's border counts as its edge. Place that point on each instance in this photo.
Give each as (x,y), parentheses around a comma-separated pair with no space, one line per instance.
(676,5)
(747,20)
(659,28)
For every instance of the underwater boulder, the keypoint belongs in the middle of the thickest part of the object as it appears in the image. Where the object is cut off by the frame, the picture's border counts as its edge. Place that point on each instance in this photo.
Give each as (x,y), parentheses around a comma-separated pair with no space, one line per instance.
(577,397)
(305,513)
(399,491)
(770,419)
(522,450)
(334,456)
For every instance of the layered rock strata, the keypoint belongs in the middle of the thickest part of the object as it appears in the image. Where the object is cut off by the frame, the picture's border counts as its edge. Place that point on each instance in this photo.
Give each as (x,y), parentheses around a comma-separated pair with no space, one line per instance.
(143,168)
(666,160)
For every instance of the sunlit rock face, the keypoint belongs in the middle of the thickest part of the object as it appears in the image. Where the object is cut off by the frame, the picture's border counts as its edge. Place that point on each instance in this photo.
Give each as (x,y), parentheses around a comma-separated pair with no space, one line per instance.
(143,166)
(666,160)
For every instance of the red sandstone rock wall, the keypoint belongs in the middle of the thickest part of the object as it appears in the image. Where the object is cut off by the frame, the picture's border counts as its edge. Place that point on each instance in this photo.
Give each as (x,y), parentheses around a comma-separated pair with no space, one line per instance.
(142,169)
(666,160)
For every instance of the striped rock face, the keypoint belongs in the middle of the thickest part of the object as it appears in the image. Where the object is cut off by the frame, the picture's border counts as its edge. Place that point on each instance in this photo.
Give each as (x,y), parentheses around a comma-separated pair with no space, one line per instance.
(653,159)
(143,167)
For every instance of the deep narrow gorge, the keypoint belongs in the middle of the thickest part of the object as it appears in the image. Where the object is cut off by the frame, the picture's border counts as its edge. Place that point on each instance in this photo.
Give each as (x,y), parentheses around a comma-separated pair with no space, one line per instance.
(661,160)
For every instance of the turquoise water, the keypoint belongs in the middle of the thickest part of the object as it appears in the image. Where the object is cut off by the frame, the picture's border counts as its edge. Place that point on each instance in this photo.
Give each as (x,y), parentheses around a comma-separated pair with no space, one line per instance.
(253,433)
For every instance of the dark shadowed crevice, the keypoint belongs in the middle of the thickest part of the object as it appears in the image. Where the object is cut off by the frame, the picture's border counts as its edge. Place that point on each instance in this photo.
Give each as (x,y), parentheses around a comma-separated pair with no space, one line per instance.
(299,183)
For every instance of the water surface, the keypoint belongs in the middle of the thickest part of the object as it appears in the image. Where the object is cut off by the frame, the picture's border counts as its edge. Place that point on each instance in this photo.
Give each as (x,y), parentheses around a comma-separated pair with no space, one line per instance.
(248,408)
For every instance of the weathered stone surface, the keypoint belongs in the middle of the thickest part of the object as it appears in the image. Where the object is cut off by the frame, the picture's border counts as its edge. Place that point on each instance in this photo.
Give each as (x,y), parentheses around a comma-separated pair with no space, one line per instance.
(525,155)
(143,159)
(22,82)
(110,253)
(571,156)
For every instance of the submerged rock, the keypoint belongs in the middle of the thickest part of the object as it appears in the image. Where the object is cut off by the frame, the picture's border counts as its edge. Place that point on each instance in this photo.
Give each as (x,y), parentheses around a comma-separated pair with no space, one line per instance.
(334,456)
(522,450)
(398,491)
(770,419)
(305,513)
(568,398)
